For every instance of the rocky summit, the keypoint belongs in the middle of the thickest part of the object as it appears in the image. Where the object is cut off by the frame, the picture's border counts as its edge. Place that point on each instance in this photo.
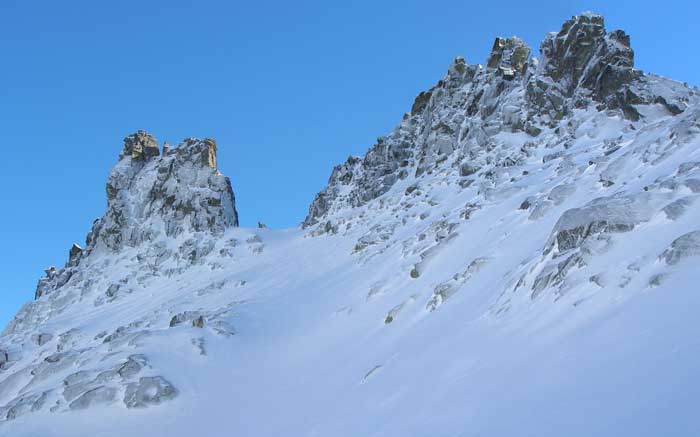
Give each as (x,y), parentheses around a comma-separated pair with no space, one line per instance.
(517,257)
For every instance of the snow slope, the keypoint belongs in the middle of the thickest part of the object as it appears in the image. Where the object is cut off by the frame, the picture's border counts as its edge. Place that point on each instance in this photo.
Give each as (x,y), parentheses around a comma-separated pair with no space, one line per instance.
(494,269)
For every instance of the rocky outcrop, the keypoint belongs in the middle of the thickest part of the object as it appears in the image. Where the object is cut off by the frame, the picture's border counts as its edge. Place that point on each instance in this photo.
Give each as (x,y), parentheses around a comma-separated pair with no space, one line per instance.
(582,53)
(149,391)
(509,56)
(140,146)
(455,122)
(148,194)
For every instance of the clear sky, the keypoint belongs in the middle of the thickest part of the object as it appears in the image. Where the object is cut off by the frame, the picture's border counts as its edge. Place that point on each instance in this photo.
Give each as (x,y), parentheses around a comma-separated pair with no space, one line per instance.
(288,89)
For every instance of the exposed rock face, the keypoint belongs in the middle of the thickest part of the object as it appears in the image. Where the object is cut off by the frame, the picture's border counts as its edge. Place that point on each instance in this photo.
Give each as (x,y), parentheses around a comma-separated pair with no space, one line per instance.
(582,51)
(149,391)
(518,203)
(180,191)
(509,55)
(455,121)
(606,215)
(140,146)
(582,59)
(149,196)
(96,396)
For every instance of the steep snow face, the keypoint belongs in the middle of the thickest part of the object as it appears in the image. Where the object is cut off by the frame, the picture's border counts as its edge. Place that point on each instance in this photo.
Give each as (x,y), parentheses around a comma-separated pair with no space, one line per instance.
(517,258)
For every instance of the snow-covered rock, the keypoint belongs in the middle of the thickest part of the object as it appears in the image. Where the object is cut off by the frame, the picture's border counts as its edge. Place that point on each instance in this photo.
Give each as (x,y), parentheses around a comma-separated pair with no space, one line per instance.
(523,241)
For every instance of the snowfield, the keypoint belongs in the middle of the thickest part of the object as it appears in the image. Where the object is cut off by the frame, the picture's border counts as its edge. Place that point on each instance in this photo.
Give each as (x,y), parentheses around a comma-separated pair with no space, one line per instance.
(518,269)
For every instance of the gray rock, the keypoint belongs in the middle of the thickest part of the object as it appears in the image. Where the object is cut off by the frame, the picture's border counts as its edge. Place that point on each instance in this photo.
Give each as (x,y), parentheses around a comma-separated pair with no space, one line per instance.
(97,396)
(4,358)
(688,167)
(447,289)
(603,215)
(510,55)
(74,254)
(198,322)
(133,365)
(467,169)
(678,207)
(149,391)
(41,339)
(685,246)
(582,54)
(24,404)
(187,316)
(188,193)
(555,274)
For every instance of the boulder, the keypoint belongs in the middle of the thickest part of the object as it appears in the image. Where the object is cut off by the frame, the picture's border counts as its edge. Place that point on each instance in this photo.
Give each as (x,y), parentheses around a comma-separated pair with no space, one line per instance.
(149,391)
(602,215)
(187,316)
(97,396)
(147,197)
(685,246)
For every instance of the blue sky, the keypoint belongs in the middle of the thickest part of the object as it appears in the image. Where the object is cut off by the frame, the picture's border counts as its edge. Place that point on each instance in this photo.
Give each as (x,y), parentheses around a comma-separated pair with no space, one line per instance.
(288,89)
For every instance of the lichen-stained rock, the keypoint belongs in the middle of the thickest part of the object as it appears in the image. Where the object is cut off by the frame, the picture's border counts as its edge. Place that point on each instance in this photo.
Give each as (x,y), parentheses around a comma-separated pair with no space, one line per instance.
(510,55)
(140,146)
(148,391)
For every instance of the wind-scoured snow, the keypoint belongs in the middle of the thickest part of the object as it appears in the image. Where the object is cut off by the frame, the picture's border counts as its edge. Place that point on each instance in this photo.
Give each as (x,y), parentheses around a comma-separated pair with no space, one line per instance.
(518,258)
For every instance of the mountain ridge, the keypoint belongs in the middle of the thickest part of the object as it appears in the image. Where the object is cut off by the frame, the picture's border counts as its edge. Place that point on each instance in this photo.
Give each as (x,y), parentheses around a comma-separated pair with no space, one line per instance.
(515,258)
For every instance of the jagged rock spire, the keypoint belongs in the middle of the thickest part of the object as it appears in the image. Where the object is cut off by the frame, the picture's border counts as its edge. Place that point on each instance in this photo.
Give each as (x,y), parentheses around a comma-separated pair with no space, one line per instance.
(152,196)
(582,49)
(140,146)
(509,55)
(148,194)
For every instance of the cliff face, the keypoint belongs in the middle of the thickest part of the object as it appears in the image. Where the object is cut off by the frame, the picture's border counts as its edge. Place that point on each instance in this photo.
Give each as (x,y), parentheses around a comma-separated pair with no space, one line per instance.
(520,249)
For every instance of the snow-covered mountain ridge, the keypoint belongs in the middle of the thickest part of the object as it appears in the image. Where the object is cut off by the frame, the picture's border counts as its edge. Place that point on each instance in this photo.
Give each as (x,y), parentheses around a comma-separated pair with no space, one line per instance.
(516,258)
